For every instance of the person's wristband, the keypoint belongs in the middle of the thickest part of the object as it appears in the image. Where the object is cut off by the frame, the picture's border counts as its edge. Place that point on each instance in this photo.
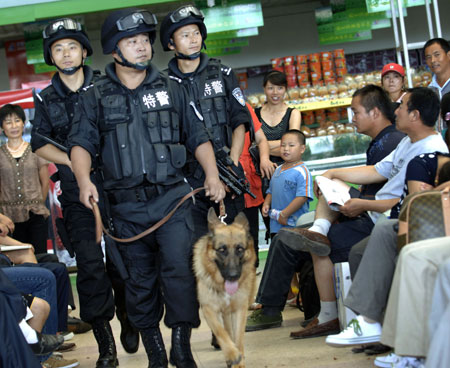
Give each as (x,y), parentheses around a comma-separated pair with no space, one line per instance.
(282,214)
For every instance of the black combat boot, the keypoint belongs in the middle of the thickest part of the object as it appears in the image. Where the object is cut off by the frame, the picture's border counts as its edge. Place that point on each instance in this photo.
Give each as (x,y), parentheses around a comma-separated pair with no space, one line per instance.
(154,346)
(180,352)
(106,344)
(129,336)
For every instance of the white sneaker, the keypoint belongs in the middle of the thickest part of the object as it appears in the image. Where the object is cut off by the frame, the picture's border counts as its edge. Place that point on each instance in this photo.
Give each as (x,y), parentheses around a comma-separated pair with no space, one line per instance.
(68,335)
(387,361)
(396,361)
(357,332)
(410,362)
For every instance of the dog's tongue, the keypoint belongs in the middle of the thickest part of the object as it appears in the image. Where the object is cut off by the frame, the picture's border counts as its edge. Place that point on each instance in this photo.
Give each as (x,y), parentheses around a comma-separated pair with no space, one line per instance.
(231,287)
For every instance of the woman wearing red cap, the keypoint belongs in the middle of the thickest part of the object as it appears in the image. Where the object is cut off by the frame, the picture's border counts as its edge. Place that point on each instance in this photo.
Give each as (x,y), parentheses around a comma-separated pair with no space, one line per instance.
(393,81)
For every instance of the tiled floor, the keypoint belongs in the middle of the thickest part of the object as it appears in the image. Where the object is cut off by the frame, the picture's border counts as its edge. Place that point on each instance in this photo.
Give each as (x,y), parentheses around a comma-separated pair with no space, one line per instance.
(263,349)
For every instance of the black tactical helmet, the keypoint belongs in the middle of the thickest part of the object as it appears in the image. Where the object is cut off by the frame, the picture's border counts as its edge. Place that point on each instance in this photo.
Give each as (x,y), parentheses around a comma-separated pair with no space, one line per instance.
(126,23)
(63,28)
(187,14)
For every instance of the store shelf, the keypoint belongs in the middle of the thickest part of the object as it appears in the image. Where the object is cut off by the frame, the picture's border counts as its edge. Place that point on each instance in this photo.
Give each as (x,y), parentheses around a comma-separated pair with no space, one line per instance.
(318,105)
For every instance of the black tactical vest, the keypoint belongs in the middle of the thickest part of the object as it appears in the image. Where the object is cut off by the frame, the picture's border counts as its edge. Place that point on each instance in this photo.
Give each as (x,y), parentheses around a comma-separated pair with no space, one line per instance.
(214,104)
(61,111)
(139,135)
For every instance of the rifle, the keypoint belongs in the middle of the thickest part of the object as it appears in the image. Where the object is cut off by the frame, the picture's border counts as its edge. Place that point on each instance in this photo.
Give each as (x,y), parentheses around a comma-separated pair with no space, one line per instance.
(228,176)
(51,141)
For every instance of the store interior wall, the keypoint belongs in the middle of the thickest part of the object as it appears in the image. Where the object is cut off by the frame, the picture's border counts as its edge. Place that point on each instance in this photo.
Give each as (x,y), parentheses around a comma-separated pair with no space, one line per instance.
(282,35)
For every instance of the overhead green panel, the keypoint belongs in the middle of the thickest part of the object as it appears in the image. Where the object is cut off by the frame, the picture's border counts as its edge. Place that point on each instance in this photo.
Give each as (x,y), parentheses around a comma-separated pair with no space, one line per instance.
(223,51)
(331,38)
(30,13)
(229,42)
(242,15)
(383,5)
(245,32)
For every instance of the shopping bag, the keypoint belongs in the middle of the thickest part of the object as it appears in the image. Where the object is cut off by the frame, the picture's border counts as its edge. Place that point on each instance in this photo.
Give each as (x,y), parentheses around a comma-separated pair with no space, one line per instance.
(342,283)
(424,215)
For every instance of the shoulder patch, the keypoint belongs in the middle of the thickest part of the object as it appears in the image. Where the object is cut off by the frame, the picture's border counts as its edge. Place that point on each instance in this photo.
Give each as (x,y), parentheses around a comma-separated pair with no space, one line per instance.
(239,96)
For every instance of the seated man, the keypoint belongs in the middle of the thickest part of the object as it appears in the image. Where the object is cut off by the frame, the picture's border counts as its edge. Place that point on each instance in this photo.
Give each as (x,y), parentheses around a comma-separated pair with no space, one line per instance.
(370,288)
(410,305)
(15,313)
(373,116)
(416,116)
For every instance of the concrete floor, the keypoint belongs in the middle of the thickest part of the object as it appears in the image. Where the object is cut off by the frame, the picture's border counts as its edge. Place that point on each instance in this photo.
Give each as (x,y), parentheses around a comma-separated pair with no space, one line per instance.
(263,349)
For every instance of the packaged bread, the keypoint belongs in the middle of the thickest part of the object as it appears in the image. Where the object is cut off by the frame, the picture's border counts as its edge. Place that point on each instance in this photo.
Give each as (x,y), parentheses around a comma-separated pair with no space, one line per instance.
(322,91)
(305,130)
(262,98)
(312,133)
(349,128)
(253,101)
(321,132)
(342,87)
(294,94)
(303,92)
(332,90)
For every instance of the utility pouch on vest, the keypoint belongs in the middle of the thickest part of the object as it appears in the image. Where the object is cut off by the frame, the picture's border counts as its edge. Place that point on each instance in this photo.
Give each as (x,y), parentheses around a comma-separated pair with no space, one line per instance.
(221,110)
(177,155)
(115,108)
(152,126)
(161,162)
(124,153)
(175,127)
(166,134)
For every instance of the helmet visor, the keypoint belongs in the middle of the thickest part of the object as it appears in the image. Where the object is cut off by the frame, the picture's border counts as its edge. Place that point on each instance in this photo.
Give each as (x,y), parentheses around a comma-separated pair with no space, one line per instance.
(134,20)
(185,12)
(54,27)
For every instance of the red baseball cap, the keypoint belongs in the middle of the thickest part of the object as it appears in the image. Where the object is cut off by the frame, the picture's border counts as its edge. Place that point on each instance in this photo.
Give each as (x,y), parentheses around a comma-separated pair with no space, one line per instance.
(393,67)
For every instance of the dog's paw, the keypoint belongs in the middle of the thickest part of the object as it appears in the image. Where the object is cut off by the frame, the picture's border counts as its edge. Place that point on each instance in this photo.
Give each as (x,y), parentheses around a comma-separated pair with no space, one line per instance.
(234,359)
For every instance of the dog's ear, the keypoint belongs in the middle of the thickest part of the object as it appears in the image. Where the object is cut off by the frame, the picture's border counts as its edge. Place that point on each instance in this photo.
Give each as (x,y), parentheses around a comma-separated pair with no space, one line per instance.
(213,220)
(241,219)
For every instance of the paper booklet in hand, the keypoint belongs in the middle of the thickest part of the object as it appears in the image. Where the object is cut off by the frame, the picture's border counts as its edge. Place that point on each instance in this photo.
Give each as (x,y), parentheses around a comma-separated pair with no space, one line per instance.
(335,194)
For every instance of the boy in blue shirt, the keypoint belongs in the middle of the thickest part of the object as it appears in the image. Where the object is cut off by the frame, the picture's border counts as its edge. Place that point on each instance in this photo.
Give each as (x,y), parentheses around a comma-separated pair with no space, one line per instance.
(291,187)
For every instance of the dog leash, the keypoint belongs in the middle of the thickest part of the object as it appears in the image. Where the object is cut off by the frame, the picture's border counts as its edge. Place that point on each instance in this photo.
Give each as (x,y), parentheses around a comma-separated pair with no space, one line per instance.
(100,228)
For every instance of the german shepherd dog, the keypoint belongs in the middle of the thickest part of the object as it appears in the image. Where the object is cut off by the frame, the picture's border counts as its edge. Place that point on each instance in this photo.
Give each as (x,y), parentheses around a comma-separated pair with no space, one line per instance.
(224,264)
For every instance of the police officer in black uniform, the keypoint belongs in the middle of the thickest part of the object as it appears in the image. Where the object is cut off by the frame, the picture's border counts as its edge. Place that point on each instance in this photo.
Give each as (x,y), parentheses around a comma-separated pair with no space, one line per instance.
(66,46)
(134,119)
(218,99)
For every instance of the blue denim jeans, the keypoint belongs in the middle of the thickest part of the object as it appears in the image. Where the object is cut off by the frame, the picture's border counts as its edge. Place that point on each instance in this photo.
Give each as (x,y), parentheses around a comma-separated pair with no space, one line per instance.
(41,283)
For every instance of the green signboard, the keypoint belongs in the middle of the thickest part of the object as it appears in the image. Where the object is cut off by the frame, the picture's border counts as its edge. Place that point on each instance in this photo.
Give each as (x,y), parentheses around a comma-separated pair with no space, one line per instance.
(223,51)
(332,38)
(385,5)
(227,42)
(245,32)
(232,17)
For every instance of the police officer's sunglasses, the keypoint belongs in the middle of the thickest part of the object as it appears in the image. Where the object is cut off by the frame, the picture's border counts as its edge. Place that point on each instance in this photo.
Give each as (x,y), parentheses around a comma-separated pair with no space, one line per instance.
(66,23)
(185,12)
(134,20)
